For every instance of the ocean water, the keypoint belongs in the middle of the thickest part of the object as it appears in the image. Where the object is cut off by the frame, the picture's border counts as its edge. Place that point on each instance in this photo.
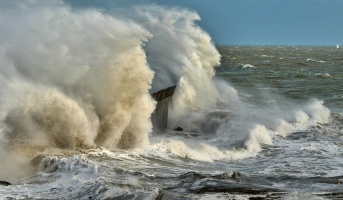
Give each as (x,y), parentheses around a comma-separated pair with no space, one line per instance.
(257,122)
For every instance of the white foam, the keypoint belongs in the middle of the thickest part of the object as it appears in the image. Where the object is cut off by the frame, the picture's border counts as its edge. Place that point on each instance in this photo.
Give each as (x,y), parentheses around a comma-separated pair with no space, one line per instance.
(324,75)
(205,152)
(247,66)
(283,128)
(258,135)
(114,192)
(245,130)
(302,195)
(318,112)
(59,177)
(68,167)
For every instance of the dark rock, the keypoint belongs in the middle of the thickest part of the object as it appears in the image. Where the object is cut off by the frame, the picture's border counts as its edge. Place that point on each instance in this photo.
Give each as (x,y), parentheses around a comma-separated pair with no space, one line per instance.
(5,183)
(178,129)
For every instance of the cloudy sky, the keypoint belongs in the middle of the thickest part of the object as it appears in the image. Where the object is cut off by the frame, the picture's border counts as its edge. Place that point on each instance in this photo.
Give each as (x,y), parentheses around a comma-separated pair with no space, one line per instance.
(261,22)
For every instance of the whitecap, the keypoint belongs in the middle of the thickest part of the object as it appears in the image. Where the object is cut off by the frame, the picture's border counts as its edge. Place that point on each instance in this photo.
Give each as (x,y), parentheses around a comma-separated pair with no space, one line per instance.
(323,75)
(247,66)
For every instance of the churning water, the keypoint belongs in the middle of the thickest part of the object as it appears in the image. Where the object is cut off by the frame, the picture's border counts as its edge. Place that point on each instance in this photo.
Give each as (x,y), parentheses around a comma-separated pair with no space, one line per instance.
(244,122)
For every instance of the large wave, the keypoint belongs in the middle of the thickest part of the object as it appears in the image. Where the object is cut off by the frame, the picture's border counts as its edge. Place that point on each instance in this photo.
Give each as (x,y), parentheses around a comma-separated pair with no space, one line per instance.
(71,79)
(82,78)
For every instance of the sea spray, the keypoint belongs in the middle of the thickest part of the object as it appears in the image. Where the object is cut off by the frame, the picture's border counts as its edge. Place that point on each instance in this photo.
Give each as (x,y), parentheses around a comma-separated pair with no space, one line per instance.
(181,54)
(82,78)
(87,58)
(44,116)
(71,79)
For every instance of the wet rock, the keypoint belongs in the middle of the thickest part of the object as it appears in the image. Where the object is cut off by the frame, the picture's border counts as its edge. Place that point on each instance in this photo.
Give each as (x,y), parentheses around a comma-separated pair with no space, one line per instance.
(178,129)
(5,183)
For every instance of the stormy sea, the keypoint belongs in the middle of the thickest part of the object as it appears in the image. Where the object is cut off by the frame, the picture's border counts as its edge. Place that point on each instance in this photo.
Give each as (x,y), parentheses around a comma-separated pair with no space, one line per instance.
(138,103)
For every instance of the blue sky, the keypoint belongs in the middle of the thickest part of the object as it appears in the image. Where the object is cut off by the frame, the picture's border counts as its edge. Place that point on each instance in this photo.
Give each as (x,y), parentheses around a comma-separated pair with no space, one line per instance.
(269,22)
(262,22)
